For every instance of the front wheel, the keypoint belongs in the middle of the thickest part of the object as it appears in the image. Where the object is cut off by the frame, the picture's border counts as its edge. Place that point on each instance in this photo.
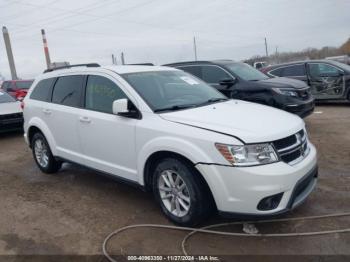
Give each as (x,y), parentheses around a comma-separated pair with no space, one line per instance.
(43,155)
(180,192)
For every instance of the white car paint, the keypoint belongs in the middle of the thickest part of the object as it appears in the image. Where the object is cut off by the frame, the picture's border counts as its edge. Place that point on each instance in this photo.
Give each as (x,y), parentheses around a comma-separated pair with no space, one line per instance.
(121,146)
(10,108)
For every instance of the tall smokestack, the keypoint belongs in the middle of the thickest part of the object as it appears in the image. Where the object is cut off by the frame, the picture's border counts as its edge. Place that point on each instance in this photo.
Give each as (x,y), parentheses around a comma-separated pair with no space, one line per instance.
(9,52)
(46,49)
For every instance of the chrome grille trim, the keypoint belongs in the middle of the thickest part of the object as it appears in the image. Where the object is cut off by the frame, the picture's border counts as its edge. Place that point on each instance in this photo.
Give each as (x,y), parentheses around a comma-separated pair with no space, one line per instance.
(296,152)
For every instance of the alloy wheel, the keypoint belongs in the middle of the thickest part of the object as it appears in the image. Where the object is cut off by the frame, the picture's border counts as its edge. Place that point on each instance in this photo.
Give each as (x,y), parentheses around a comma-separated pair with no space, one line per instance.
(174,193)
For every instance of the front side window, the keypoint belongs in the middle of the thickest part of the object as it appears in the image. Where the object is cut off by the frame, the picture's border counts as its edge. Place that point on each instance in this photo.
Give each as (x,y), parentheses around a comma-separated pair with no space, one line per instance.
(67,90)
(6,98)
(246,72)
(42,91)
(214,74)
(101,93)
(323,70)
(172,89)
(294,70)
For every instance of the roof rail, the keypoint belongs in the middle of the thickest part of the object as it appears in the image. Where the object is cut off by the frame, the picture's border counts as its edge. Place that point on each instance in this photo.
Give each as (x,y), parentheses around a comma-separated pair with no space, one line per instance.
(69,66)
(146,64)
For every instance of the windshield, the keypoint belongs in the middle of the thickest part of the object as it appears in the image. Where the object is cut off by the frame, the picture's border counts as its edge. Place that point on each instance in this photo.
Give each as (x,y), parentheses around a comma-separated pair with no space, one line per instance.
(23,84)
(6,98)
(342,65)
(172,90)
(246,72)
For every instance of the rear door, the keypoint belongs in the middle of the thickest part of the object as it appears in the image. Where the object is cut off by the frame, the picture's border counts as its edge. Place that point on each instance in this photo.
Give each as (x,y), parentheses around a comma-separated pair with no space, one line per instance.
(108,140)
(326,81)
(62,115)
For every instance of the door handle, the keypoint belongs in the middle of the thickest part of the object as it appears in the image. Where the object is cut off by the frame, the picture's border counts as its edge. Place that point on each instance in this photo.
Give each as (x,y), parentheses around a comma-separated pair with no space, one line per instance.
(47,111)
(84,119)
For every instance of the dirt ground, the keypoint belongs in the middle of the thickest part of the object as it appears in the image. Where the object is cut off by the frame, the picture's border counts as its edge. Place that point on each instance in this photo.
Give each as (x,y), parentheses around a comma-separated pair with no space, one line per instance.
(73,211)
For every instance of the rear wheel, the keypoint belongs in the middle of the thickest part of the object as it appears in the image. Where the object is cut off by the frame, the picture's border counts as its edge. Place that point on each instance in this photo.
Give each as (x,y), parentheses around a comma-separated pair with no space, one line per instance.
(180,192)
(43,155)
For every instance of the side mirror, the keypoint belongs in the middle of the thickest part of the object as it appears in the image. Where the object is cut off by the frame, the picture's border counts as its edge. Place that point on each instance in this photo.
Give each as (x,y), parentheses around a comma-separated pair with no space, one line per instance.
(228,82)
(123,107)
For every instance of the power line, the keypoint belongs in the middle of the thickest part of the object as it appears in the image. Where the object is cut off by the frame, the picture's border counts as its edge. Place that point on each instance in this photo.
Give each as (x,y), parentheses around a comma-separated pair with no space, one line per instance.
(64,14)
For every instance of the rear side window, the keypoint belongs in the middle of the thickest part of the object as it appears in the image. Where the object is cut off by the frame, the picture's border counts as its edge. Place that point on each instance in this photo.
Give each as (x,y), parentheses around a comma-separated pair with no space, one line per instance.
(24,84)
(68,90)
(101,93)
(42,91)
(295,70)
(193,70)
(214,74)
(276,72)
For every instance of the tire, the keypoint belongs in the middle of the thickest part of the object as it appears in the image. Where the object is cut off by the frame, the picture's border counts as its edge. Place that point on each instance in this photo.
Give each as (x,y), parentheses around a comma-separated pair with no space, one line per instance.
(43,157)
(189,190)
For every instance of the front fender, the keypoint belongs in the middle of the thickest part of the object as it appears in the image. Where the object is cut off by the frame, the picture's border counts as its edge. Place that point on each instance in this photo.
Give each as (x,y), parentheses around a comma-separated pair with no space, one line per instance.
(38,123)
(176,145)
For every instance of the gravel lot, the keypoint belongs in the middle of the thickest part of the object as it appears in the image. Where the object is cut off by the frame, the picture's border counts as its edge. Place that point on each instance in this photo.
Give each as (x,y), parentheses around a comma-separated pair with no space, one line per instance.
(73,211)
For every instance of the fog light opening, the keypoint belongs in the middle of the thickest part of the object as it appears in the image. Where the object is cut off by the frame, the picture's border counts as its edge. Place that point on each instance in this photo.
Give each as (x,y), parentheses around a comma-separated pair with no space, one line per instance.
(270,202)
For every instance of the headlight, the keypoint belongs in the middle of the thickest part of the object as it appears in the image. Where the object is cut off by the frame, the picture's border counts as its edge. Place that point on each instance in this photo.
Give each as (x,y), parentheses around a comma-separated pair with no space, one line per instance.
(248,155)
(285,92)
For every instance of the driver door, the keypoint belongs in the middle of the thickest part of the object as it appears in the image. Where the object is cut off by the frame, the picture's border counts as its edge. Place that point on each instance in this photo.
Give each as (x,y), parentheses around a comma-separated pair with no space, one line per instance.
(326,81)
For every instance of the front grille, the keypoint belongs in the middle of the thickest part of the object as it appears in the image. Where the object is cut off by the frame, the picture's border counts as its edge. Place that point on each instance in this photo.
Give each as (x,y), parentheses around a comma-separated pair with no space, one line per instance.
(292,149)
(11,116)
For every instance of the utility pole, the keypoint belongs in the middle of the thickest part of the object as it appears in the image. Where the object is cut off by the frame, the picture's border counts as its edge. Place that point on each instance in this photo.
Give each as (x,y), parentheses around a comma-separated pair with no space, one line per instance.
(46,49)
(267,54)
(122,58)
(9,53)
(195,48)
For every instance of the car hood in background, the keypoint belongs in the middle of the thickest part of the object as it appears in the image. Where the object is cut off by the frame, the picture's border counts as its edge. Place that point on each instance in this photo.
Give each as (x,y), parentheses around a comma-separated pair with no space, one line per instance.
(282,82)
(250,122)
(10,108)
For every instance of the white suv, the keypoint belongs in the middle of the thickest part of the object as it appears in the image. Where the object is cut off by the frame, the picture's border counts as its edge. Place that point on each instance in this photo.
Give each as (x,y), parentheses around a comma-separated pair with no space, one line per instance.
(171,133)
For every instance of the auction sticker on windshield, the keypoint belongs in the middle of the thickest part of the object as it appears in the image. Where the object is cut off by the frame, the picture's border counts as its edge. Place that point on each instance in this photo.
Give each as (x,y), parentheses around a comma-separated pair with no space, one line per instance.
(189,80)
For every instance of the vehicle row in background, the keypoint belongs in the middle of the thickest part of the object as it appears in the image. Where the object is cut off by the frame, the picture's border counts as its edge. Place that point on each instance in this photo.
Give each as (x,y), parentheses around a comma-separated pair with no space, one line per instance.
(241,81)
(328,79)
(11,117)
(17,88)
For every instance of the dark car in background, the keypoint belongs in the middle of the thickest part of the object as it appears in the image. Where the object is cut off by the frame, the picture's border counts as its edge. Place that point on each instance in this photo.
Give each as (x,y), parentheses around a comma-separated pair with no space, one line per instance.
(17,88)
(242,81)
(11,116)
(328,80)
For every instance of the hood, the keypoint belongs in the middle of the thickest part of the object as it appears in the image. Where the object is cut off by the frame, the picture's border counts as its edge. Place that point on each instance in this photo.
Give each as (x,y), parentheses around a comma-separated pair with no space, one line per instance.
(10,108)
(250,122)
(283,82)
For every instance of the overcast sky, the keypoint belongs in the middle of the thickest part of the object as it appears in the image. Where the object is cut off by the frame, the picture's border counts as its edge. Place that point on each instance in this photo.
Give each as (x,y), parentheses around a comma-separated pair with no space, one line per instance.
(161,31)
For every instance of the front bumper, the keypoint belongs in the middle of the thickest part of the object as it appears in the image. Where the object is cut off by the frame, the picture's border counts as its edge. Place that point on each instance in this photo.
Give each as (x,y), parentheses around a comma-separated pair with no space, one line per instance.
(296,106)
(11,124)
(239,190)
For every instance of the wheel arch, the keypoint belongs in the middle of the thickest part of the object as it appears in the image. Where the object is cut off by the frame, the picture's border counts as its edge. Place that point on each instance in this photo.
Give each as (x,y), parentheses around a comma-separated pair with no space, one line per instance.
(154,158)
(37,125)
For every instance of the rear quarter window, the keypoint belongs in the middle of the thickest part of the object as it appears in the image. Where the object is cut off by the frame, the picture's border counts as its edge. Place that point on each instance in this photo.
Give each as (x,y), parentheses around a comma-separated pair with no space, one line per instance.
(42,91)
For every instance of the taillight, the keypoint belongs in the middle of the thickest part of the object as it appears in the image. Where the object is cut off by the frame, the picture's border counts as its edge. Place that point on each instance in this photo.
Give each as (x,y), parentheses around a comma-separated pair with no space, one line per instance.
(22,105)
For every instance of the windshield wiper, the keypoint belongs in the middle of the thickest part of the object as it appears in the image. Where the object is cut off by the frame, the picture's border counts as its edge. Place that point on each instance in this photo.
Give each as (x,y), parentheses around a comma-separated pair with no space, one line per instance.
(175,107)
(213,100)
